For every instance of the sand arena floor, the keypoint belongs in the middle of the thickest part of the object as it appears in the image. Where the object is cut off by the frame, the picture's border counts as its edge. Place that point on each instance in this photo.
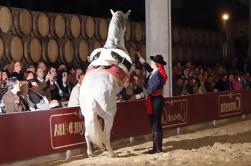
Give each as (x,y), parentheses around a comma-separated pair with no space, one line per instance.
(228,144)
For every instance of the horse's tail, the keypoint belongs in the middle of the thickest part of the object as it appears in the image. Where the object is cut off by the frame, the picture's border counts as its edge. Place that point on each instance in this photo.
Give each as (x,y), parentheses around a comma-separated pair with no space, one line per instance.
(96,134)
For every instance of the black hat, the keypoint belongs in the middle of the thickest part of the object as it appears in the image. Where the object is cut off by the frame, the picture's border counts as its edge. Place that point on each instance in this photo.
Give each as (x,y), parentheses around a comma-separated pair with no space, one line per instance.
(158,59)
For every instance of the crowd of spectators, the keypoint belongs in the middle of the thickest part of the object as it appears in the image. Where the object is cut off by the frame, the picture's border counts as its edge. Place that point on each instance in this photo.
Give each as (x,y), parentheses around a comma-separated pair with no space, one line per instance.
(197,79)
(38,87)
(43,87)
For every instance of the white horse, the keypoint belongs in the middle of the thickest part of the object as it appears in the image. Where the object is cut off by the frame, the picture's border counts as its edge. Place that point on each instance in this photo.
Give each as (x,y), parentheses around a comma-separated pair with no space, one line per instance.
(109,68)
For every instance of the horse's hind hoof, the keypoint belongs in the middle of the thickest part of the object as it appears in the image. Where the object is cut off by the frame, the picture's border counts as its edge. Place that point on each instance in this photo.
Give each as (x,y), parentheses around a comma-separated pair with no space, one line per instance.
(90,155)
(114,155)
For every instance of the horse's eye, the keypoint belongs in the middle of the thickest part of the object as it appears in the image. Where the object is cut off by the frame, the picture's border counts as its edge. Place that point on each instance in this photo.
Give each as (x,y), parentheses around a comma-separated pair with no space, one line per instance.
(96,56)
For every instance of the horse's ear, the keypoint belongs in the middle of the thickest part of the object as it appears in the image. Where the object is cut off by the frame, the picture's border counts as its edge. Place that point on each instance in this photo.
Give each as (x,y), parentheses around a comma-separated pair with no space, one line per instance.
(127,13)
(112,11)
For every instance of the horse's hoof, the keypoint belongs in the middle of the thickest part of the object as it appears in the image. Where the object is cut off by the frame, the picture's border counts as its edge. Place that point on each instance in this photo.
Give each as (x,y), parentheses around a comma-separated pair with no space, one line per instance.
(113,155)
(90,155)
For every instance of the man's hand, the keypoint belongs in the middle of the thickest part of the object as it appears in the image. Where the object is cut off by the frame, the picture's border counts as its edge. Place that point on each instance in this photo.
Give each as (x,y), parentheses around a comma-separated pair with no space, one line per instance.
(141,59)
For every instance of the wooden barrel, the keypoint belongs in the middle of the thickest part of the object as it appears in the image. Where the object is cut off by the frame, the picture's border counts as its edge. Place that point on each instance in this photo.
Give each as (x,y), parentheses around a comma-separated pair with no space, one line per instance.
(176,35)
(66,51)
(137,31)
(22,21)
(73,26)
(213,39)
(196,54)
(144,33)
(1,48)
(199,37)
(5,19)
(205,38)
(142,50)
(180,54)
(13,47)
(82,50)
(88,27)
(93,44)
(188,53)
(50,50)
(128,34)
(174,53)
(57,25)
(132,51)
(190,39)
(40,24)
(219,39)
(101,29)
(32,49)
(204,58)
(185,36)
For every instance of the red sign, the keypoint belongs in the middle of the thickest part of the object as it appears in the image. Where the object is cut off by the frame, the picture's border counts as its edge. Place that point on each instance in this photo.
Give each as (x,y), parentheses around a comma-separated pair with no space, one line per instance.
(175,112)
(229,104)
(66,130)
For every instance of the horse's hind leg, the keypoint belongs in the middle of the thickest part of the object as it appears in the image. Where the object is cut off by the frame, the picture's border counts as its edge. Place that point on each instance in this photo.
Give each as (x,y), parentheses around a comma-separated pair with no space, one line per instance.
(107,131)
(87,139)
(89,148)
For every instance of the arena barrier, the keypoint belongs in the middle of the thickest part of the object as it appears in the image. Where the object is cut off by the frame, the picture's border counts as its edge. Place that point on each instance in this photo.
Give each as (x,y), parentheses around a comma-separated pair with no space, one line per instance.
(31,134)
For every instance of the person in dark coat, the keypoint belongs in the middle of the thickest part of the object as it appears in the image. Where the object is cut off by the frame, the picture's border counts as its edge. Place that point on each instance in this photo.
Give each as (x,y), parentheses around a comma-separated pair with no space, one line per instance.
(154,99)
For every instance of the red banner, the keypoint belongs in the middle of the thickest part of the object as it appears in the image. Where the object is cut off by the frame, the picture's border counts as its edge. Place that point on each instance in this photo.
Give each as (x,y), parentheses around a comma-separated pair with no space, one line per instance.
(66,130)
(175,112)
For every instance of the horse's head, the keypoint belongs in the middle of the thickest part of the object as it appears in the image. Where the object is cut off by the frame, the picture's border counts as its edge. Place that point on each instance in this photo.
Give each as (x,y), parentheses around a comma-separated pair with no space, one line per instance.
(114,51)
(116,31)
(120,19)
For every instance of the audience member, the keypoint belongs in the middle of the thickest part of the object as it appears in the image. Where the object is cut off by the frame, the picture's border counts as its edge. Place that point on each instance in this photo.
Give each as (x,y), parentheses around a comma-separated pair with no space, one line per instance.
(17,71)
(11,100)
(74,97)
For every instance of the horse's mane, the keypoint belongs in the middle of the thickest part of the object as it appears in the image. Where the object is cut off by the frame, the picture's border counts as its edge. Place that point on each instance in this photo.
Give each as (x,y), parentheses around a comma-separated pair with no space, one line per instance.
(116,32)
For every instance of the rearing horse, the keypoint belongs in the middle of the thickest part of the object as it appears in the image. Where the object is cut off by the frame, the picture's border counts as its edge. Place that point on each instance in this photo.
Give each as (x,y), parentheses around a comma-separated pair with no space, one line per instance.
(109,68)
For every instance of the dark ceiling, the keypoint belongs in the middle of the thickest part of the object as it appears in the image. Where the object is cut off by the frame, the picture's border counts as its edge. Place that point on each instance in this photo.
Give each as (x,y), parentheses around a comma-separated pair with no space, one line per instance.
(190,13)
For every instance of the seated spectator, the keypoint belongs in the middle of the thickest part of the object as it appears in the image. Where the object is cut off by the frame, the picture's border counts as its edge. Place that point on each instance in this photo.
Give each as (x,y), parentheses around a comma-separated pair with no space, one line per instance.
(223,84)
(39,101)
(236,82)
(4,78)
(31,68)
(138,84)
(11,100)
(64,85)
(209,84)
(17,71)
(43,85)
(184,90)
(42,66)
(178,86)
(201,84)
(56,93)
(191,86)
(126,92)
(74,97)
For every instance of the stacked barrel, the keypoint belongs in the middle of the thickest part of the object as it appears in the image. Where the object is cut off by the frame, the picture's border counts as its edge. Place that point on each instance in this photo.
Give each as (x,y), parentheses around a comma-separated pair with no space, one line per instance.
(31,36)
(196,45)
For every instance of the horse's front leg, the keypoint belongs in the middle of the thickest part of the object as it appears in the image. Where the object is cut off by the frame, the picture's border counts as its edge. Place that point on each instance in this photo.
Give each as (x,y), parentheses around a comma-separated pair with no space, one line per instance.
(107,131)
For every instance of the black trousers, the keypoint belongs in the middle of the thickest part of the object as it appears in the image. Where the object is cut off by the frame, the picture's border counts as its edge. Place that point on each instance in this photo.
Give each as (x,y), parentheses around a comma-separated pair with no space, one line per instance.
(155,118)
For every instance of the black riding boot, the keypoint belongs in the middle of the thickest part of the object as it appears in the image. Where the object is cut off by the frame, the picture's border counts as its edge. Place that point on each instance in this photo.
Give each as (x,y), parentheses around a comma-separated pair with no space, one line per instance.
(159,138)
(153,150)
